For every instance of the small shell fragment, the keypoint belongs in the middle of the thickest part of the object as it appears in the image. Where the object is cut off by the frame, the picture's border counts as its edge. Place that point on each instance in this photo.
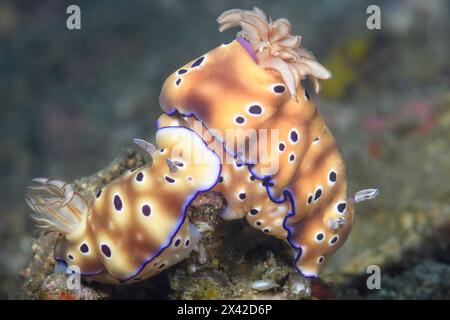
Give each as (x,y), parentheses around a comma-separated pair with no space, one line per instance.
(264,285)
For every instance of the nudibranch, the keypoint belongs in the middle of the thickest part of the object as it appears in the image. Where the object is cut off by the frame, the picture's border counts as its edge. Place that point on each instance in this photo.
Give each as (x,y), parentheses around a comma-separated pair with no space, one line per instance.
(245,194)
(238,121)
(248,96)
(136,226)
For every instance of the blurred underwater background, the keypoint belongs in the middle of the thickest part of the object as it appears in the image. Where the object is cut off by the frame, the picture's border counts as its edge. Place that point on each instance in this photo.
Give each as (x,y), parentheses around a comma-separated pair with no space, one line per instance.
(71,101)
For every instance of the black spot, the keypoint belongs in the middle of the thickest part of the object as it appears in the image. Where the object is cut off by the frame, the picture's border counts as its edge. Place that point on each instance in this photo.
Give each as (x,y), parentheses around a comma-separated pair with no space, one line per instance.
(255,109)
(146,210)
(122,281)
(321,259)
(334,240)
(317,194)
(332,176)
(98,194)
(341,207)
(316,139)
(169,179)
(306,95)
(178,82)
(320,236)
(228,42)
(106,250)
(266,182)
(292,157)
(258,223)
(240,120)
(254,212)
(177,242)
(220,179)
(310,198)
(186,244)
(198,62)
(238,164)
(281,146)
(117,203)
(242,196)
(294,136)
(279,89)
(140,176)
(179,164)
(70,257)
(162,266)
(84,248)
(162,150)
(252,178)
(182,71)
(266,230)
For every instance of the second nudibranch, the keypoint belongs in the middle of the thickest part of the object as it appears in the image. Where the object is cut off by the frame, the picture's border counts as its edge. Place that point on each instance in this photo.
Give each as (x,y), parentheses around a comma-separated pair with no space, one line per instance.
(245,194)
(253,85)
(136,226)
